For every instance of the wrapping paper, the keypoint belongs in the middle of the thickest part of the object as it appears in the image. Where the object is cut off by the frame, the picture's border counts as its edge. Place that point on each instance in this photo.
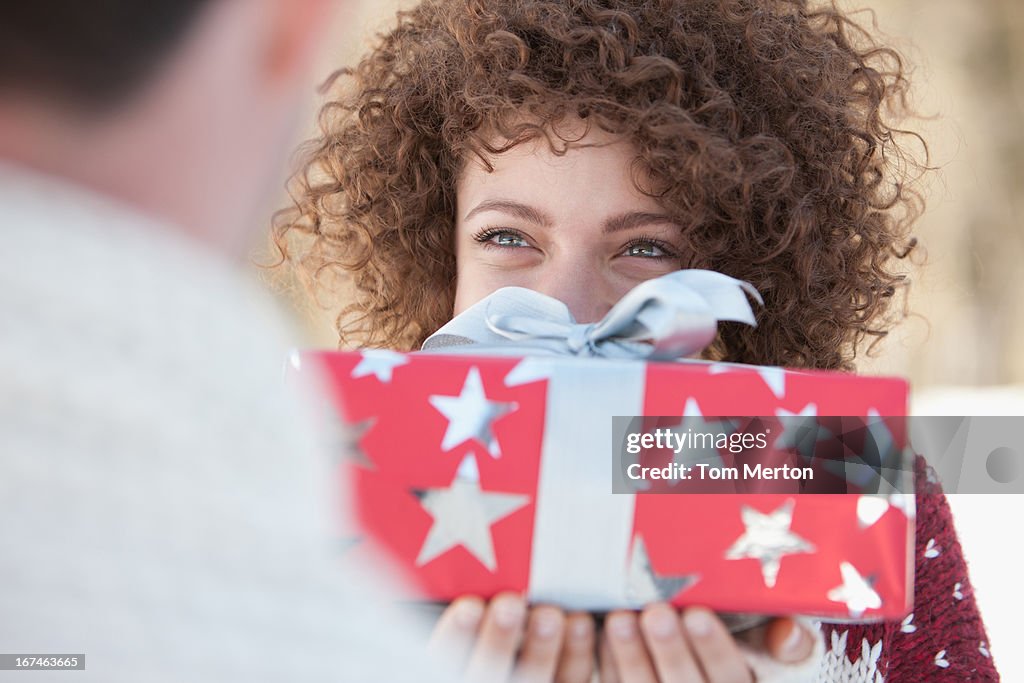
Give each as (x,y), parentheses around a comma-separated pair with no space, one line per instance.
(485,473)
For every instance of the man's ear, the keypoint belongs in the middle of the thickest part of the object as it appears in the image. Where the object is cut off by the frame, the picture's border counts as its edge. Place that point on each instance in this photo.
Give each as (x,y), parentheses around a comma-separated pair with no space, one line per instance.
(295,31)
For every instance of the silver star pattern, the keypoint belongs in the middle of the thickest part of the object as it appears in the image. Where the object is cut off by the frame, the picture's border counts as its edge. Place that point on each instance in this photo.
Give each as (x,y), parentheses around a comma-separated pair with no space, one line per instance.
(694,419)
(378,362)
(904,502)
(468,470)
(881,459)
(347,543)
(470,414)
(528,370)
(768,539)
(644,586)
(463,515)
(348,437)
(882,440)
(870,508)
(855,592)
(801,431)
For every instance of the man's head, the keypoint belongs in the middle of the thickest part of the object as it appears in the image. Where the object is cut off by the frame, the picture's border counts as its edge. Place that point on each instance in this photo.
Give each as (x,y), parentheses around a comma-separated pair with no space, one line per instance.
(766,130)
(181,107)
(89,54)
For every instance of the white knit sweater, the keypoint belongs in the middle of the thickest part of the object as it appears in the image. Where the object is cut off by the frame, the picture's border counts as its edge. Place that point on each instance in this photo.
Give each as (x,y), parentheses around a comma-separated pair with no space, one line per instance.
(162,508)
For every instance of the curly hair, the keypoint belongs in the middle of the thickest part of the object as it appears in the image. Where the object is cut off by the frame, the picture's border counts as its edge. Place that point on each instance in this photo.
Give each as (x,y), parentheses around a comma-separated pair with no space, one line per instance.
(766,125)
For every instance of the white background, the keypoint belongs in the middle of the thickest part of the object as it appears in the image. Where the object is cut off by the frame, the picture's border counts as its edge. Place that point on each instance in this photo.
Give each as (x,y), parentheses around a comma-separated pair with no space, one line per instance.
(991,529)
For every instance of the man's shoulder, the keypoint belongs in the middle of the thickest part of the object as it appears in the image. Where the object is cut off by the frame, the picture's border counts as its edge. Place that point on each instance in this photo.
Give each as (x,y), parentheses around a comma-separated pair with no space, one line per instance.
(108,307)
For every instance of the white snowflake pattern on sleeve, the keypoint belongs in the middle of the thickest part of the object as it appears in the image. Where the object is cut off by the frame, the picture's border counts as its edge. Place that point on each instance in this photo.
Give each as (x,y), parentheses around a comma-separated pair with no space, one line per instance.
(837,667)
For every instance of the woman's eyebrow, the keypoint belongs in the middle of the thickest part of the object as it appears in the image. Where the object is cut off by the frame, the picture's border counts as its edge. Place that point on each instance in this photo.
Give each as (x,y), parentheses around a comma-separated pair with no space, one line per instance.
(517,209)
(635,219)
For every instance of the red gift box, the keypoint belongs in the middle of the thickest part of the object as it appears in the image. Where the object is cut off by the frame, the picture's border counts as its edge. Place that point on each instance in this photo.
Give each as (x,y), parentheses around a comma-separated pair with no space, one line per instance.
(481,474)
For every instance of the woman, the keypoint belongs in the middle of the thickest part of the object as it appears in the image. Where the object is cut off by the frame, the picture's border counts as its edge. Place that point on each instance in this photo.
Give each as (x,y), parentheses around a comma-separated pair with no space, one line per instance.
(578,148)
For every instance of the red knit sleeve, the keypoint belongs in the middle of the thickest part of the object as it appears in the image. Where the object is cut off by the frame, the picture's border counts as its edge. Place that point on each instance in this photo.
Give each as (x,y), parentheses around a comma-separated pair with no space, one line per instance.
(944,635)
(944,638)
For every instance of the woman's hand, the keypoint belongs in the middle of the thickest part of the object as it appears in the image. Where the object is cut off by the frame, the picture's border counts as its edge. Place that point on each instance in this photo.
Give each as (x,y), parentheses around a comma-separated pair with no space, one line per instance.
(659,645)
(505,641)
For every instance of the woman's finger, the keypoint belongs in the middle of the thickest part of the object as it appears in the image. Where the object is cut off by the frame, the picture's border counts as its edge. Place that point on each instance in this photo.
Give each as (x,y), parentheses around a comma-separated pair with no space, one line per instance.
(714,647)
(456,630)
(628,648)
(542,644)
(576,663)
(498,639)
(674,662)
(608,671)
(788,642)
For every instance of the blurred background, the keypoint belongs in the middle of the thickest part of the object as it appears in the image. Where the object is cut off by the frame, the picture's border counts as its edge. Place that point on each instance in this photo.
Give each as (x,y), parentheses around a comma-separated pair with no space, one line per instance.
(962,346)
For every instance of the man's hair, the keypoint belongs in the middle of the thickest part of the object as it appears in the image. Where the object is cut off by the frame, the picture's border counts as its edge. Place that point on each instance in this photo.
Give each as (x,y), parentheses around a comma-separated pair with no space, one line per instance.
(92,53)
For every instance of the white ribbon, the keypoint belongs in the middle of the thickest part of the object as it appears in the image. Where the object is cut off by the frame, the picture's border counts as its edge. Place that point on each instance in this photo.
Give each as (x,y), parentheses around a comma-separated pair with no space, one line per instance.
(669,317)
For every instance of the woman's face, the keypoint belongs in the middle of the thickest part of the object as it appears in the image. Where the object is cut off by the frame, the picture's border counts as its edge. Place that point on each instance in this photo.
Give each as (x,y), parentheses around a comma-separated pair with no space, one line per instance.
(573,227)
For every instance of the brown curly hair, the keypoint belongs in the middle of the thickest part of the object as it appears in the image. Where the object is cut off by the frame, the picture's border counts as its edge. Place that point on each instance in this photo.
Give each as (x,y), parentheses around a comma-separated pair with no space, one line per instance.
(767,126)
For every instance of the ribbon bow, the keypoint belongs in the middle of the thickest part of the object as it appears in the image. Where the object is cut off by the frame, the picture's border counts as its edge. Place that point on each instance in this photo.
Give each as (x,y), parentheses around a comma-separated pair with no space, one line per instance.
(669,317)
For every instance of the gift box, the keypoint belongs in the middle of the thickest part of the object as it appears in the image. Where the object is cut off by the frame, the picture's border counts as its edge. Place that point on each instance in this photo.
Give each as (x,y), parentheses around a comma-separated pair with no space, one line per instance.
(485,468)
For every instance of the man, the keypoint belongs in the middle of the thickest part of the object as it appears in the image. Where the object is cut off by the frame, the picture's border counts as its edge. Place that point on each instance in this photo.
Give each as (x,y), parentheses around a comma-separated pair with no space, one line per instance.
(162,510)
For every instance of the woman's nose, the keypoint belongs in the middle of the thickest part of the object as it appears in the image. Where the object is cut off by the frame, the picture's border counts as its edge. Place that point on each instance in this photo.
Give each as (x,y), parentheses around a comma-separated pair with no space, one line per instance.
(585,290)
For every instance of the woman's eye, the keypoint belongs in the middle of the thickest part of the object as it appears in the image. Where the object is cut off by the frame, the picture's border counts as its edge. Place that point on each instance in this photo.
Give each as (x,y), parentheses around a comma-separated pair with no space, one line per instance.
(505,239)
(646,250)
